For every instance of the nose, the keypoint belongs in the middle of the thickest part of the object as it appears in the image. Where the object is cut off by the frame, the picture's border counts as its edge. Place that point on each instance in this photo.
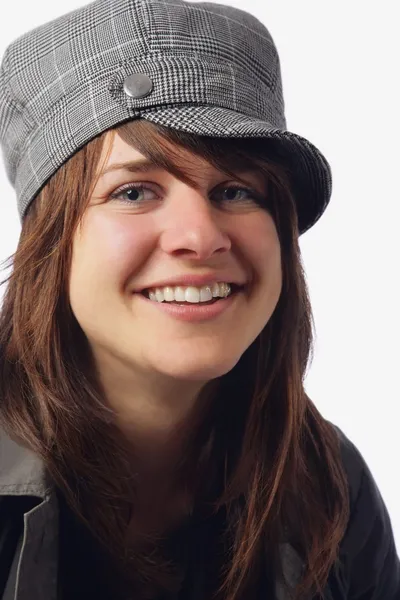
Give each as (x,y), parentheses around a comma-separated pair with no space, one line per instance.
(193,227)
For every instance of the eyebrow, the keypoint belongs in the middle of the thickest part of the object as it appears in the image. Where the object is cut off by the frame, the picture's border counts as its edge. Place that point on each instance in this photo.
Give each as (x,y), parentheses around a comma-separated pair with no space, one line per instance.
(143,165)
(134,166)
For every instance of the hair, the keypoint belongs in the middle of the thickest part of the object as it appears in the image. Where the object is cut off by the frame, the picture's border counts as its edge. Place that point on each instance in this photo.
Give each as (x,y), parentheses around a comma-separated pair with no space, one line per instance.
(268,457)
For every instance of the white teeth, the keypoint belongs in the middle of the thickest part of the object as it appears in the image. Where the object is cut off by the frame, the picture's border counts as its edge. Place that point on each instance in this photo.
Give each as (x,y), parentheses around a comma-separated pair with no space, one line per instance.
(159,295)
(206,294)
(190,294)
(179,293)
(215,289)
(169,294)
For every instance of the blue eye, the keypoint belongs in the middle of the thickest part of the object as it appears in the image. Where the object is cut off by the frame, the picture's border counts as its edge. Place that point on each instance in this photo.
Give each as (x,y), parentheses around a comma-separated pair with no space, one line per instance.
(236,193)
(135,194)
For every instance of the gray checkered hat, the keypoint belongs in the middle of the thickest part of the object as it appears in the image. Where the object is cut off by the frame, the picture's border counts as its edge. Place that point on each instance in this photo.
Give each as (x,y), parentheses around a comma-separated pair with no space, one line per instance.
(202,68)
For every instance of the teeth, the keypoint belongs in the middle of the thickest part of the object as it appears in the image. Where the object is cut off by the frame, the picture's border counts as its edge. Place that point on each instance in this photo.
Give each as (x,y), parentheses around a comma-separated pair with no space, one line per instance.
(190,294)
(159,296)
(205,294)
(179,294)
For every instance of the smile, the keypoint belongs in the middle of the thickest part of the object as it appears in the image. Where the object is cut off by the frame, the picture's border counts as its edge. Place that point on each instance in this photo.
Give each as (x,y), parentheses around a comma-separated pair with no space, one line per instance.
(191,294)
(193,309)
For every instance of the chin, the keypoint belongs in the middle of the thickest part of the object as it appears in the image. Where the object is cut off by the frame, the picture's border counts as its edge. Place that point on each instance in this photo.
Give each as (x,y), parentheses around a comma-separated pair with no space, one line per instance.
(200,370)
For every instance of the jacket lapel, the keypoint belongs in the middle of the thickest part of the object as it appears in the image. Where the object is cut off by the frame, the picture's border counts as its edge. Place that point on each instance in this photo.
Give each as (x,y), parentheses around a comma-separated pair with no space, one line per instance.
(33,574)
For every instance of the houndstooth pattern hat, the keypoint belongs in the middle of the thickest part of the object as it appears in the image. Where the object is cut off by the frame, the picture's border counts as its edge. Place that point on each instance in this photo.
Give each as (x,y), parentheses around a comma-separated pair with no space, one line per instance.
(202,68)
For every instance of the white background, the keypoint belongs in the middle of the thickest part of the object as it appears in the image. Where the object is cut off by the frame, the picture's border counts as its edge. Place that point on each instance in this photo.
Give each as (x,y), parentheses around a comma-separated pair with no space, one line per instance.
(340,64)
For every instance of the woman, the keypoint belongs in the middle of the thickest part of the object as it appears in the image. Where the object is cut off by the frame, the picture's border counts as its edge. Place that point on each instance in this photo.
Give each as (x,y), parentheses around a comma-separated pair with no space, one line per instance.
(157,441)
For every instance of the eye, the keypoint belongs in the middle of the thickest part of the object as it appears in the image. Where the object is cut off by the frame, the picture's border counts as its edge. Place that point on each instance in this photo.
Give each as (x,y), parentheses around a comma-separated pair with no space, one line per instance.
(233,194)
(134,194)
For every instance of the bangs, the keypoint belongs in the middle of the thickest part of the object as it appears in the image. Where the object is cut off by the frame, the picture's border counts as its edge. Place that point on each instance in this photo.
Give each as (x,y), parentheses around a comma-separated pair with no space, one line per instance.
(163,146)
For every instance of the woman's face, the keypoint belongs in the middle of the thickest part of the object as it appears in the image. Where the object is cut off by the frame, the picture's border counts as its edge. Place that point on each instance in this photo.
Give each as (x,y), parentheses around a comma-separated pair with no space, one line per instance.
(168,231)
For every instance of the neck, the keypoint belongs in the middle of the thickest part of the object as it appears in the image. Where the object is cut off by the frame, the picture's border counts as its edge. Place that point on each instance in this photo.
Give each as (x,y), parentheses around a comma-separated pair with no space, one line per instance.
(157,415)
(158,418)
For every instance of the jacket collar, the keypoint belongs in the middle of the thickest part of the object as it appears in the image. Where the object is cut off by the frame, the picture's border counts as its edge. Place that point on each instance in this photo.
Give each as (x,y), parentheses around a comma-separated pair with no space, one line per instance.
(22,473)
(33,573)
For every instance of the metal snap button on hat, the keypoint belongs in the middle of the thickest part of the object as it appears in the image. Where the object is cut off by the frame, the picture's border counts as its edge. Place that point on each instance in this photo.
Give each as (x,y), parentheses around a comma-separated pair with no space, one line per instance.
(138,85)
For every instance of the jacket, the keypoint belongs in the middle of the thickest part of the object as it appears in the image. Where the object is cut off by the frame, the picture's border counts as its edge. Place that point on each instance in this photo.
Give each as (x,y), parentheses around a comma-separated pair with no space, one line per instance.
(369,567)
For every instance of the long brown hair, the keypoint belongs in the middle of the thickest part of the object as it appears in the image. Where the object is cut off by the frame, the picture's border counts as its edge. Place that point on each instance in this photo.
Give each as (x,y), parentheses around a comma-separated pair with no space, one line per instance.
(276,460)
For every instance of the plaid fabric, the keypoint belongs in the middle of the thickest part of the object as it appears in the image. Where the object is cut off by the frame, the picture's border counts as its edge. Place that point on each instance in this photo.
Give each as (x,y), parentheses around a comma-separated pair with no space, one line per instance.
(215,72)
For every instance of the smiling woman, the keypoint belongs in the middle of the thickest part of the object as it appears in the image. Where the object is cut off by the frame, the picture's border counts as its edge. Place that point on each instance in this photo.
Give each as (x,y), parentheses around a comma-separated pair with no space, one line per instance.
(145,246)
(156,328)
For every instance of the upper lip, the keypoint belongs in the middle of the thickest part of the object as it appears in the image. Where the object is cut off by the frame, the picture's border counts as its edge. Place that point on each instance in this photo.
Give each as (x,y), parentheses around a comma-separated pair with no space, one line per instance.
(195,280)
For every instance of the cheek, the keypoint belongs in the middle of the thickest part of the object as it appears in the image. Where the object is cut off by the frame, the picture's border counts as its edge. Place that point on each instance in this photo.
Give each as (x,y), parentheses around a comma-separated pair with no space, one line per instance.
(260,242)
(108,250)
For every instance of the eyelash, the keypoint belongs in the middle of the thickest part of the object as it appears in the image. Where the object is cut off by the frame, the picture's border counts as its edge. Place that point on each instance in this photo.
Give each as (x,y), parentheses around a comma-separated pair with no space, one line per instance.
(140,186)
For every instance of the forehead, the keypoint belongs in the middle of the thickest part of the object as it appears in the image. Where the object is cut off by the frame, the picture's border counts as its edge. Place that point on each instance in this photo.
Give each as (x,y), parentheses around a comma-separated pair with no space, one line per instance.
(116,150)
(120,158)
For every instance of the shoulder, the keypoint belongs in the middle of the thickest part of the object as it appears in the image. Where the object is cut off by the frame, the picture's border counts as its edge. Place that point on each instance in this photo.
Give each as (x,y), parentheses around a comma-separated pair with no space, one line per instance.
(354,465)
(368,550)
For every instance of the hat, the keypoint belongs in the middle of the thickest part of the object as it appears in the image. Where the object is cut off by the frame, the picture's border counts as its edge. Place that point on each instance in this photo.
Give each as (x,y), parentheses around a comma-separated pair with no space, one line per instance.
(202,68)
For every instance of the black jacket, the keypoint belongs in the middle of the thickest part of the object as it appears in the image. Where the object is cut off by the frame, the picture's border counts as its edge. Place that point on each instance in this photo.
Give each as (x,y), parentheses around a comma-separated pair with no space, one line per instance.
(369,567)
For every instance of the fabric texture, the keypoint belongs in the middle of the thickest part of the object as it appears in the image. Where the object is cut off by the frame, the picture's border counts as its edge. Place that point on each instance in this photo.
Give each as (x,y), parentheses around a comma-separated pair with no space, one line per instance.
(214,70)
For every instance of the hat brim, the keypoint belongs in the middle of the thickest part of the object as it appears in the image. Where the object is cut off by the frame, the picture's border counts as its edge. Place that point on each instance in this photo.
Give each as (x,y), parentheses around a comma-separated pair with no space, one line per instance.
(308,170)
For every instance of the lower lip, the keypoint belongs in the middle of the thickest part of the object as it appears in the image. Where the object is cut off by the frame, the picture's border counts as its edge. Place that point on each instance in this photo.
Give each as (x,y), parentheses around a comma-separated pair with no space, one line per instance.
(195,312)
